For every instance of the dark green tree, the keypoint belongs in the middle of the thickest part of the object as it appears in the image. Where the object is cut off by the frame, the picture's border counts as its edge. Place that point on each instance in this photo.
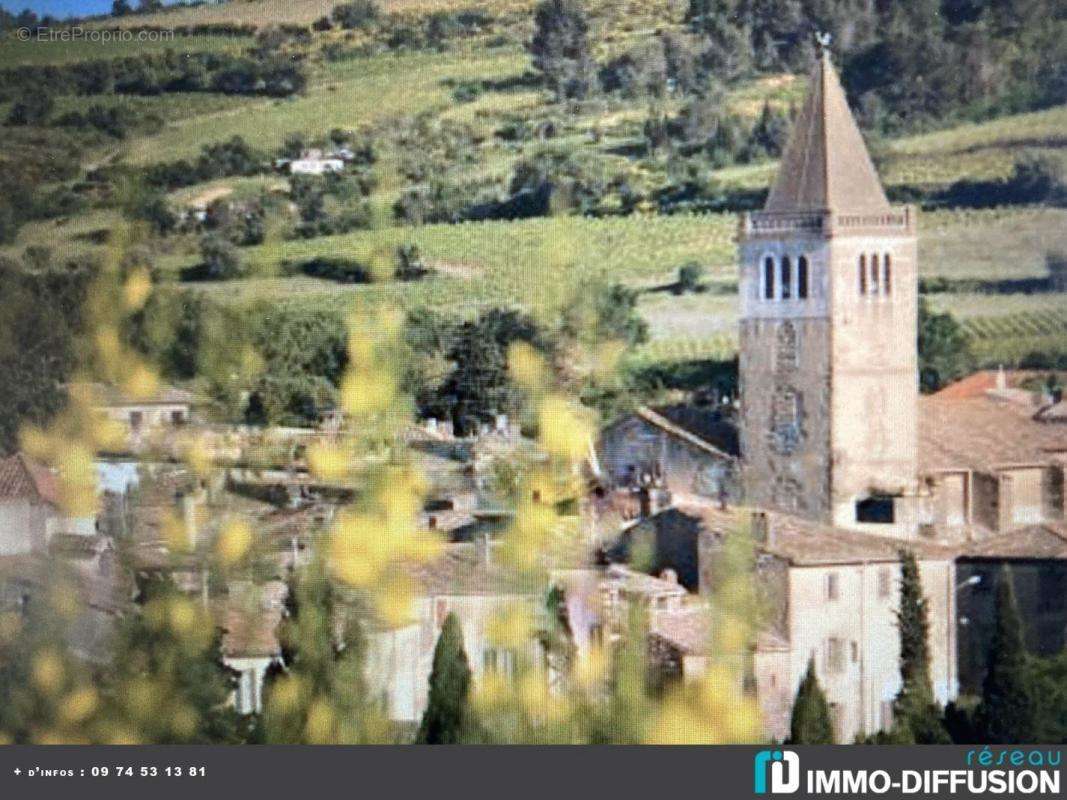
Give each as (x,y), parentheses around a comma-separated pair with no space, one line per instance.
(40,318)
(448,718)
(479,387)
(120,8)
(220,257)
(810,722)
(560,48)
(916,716)
(33,108)
(725,34)
(944,349)
(1008,713)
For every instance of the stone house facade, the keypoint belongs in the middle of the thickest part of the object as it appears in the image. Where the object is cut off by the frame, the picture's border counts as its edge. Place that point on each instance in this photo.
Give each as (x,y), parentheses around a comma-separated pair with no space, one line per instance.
(685,450)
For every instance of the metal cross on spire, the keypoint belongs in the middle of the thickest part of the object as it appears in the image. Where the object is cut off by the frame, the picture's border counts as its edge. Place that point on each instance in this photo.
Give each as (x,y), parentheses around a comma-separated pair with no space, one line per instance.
(823,39)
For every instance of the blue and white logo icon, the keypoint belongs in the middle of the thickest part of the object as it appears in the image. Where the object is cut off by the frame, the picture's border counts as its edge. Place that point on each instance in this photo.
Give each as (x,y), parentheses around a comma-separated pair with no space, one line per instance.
(784,769)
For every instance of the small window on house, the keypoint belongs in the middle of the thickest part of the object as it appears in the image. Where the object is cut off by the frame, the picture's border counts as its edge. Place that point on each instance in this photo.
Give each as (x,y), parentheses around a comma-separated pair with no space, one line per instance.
(885,582)
(787,278)
(177,417)
(802,278)
(768,278)
(874,274)
(887,715)
(136,420)
(833,590)
(498,661)
(855,652)
(863,274)
(887,275)
(877,509)
(835,655)
(837,721)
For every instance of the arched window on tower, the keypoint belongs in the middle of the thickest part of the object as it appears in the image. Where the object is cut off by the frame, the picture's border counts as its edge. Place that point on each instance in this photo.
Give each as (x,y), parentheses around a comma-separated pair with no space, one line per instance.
(787,278)
(768,278)
(863,274)
(802,278)
(887,275)
(874,273)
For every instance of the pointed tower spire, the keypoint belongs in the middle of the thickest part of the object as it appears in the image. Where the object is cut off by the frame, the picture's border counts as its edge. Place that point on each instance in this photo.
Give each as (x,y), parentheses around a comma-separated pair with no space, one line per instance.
(826,166)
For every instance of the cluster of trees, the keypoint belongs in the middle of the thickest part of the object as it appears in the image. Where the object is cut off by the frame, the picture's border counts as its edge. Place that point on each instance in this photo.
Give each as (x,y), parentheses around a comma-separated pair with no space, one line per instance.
(157,73)
(1007,712)
(114,121)
(944,349)
(906,65)
(332,203)
(705,126)
(41,313)
(549,181)
(435,30)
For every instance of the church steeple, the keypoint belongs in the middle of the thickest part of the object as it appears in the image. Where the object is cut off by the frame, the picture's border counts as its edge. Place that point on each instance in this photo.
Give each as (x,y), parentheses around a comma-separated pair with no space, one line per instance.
(828,368)
(826,166)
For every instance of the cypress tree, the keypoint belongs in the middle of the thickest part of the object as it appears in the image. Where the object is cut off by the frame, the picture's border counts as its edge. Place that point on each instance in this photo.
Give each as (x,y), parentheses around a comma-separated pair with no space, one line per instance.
(1008,713)
(810,723)
(917,717)
(447,717)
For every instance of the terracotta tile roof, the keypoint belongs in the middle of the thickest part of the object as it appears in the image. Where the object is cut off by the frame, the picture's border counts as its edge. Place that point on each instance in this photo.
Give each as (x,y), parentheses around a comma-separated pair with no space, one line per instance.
(106,395)
(826,166)
(698,427)
(1053,413)
(249,618)
(687,629)
(984,433)
(1045,541)
(979,383)
(23,479)
(460,571)
(804,543)
(74,545)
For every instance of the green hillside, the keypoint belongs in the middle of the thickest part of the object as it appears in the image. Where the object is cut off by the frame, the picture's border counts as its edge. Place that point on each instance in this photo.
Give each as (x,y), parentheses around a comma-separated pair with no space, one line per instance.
(445,96)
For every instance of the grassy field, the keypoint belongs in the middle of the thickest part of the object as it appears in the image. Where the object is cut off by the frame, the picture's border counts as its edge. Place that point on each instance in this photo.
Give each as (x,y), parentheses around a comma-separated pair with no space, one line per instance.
(347,94)
(540,262)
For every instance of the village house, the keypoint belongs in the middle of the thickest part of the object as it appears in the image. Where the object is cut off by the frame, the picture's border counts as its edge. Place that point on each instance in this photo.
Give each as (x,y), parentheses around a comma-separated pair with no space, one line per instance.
(1034,559)
(166,408)
(31,514)
(315,162)
(994,457)
(684,450)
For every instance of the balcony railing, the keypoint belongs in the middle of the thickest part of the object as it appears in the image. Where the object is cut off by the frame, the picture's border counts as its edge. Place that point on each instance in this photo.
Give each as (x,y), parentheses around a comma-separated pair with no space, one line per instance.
(768,223)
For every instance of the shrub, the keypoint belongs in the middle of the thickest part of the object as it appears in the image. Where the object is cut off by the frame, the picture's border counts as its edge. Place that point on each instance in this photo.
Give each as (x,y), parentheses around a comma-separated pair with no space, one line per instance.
(689,276)
(360,14)
(221,260)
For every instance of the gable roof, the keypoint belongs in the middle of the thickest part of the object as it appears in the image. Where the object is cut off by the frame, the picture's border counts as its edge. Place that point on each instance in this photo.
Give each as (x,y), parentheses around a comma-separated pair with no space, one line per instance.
(23,479)
(802,543)
(697,427)
(105,395)
(826,166)
(1046,541)
(984,433)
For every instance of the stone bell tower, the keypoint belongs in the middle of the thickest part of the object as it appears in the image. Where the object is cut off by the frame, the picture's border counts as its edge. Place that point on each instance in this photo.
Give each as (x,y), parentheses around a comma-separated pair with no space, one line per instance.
(828,293)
